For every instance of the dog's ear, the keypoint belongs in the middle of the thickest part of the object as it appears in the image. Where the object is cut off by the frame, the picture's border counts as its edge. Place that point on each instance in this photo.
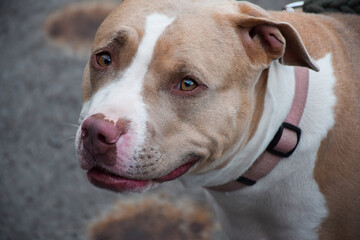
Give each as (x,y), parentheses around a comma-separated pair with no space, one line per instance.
(268,39)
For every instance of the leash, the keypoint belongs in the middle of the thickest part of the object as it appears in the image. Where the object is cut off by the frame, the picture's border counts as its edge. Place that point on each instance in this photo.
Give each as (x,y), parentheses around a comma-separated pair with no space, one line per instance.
(282,145)
(343,6)
(322,6)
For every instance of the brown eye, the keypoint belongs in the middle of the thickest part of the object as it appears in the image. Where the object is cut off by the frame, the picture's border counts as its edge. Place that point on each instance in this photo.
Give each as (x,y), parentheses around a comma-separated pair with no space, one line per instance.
(187,85)
(103,59)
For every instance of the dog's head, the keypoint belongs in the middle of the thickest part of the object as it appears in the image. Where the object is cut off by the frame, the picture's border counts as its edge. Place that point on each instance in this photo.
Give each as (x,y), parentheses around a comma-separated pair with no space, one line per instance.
(176,86)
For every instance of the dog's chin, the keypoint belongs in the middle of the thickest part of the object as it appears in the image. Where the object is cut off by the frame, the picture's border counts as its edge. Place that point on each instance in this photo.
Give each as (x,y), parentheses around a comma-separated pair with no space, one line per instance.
(104,179)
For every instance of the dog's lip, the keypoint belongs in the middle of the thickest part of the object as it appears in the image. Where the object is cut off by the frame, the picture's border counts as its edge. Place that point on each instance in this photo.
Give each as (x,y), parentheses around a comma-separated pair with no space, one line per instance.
(177,172)
(105,179)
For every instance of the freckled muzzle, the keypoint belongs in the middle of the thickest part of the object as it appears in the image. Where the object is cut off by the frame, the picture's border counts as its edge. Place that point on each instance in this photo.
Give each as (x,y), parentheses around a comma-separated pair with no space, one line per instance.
(99,139)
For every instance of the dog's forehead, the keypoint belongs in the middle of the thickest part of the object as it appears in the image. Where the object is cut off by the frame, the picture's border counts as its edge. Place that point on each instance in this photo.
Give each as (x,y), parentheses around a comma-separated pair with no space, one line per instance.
(133,14)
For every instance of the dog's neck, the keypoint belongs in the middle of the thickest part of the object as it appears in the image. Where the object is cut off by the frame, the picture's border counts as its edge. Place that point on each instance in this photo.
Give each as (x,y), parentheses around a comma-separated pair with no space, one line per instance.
(282,145)
(253,210)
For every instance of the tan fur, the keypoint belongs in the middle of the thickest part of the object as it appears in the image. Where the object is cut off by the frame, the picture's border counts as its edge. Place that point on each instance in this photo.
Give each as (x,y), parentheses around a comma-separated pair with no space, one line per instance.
(338,165)
(260,90)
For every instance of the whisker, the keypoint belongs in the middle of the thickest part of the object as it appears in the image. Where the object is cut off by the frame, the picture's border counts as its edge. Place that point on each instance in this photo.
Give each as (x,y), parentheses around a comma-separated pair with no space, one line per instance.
(69,124)
(70,139)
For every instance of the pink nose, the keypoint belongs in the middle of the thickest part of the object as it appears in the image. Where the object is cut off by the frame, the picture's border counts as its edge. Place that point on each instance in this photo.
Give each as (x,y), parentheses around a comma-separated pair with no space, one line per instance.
(100,136)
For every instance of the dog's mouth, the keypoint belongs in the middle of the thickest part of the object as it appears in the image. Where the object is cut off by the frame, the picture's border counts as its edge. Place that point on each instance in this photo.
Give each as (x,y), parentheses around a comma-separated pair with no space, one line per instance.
(103,178)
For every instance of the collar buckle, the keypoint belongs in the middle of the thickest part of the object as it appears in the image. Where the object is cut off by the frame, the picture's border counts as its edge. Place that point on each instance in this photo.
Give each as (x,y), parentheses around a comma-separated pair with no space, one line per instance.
(281,139)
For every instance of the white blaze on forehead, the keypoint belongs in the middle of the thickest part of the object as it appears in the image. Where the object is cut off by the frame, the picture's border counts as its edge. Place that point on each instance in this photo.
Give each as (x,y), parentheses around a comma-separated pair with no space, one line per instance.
(122,98)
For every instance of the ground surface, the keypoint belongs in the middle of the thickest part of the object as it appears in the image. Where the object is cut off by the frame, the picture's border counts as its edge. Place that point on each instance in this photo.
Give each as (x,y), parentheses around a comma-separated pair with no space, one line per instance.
(44,194)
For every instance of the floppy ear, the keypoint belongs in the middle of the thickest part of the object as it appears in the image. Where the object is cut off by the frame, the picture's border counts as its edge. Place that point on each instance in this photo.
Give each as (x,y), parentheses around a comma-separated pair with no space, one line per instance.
(268,39)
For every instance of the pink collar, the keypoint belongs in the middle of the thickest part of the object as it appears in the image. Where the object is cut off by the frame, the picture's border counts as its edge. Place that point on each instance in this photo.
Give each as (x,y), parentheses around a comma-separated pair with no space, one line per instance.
(283,144)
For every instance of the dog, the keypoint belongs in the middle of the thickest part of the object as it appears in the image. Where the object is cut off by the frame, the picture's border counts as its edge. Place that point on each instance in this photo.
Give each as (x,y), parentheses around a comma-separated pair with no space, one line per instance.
(260,108)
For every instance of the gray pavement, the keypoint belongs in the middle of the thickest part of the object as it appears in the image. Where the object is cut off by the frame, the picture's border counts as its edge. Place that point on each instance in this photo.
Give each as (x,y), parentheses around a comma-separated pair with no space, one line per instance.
(44,194)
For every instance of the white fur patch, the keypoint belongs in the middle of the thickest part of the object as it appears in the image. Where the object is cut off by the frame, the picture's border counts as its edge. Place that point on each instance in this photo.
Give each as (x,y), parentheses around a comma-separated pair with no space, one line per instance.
(122,98)
(287,203)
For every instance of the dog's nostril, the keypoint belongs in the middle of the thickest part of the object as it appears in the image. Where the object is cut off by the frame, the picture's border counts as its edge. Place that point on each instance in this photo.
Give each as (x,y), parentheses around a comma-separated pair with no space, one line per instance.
(103,139)
(84,133)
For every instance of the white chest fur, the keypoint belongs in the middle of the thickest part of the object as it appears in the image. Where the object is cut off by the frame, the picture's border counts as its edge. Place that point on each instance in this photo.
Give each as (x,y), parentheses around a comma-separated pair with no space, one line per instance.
(286,204)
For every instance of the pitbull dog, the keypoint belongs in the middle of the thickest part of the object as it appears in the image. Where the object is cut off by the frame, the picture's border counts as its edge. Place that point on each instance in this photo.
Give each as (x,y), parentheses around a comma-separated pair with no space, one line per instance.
(202,87)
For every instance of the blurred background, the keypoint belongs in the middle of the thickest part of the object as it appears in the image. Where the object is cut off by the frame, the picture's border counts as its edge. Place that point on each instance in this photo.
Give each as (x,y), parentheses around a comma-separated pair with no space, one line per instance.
(44,194)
